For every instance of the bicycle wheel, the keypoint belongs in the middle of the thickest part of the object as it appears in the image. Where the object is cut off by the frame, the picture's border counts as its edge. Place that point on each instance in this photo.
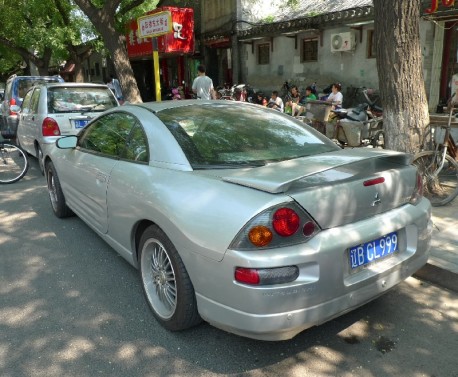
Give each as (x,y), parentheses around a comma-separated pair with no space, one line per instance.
(13,163)
(440,188)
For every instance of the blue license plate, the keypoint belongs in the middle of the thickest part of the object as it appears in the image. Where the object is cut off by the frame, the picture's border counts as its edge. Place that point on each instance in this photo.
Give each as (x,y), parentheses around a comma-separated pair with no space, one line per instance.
(81,123)
(369,252)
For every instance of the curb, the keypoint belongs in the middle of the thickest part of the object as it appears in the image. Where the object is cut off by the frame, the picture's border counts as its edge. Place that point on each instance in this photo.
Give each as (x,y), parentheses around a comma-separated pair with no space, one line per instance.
(439,276)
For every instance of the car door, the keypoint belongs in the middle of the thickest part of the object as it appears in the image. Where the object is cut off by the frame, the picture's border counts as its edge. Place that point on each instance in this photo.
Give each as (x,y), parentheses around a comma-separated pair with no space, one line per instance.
(85,173)
(26,128)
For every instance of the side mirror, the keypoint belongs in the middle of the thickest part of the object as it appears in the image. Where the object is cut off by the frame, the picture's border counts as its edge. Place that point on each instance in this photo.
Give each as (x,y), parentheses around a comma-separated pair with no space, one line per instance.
(67,142)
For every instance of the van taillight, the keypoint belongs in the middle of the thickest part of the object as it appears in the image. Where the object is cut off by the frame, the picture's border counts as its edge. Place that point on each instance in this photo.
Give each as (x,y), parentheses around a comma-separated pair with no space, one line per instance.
(12,102)
(50,127)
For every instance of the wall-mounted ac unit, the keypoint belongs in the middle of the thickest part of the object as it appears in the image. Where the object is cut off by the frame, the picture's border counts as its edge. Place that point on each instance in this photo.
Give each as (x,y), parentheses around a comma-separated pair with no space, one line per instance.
(343,41)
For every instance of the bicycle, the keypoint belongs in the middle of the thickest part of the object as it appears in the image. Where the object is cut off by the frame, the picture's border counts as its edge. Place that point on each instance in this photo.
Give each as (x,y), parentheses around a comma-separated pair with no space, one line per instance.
(437,164)
(14,162)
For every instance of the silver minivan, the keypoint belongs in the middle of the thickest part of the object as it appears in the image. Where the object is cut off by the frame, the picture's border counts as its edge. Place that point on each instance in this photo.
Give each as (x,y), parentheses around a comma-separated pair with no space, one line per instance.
(53,110)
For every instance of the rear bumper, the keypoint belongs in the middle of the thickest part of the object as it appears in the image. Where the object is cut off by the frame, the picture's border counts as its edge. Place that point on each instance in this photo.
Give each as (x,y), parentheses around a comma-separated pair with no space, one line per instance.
(286,325)
(326,287)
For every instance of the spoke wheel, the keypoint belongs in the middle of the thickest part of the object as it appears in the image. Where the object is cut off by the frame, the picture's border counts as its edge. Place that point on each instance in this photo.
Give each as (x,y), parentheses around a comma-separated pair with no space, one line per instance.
(166,283)
(440,188)
(13,163)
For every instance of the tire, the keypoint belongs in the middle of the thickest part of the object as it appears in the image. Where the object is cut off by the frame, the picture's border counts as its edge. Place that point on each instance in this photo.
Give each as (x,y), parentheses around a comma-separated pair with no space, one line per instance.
(40,159)
(14,163)
(56,196)
(442,189)
(166,283)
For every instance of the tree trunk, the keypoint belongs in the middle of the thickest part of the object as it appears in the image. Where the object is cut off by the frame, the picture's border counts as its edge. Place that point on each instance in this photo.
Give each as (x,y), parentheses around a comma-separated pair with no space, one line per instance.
(399,65)
(103,20)
(115,44)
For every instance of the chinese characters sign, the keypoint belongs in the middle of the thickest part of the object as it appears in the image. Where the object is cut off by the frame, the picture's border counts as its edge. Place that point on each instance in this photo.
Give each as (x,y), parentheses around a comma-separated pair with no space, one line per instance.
(435,5)
(180,39)
(153,25)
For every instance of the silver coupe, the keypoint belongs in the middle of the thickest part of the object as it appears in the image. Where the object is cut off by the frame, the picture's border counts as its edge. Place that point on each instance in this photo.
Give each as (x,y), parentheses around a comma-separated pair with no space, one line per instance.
(240,215)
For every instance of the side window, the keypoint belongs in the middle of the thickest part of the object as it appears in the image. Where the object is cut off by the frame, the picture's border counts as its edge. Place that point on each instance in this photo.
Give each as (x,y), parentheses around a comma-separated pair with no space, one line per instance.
(34,100)
(137,145)
(26,103)
(108,135)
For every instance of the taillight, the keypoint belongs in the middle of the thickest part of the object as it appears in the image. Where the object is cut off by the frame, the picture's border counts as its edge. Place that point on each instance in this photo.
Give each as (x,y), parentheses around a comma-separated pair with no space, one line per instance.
(50,127)
(12,102)
(276,227)
(266,276)
(285,222)
(418,190)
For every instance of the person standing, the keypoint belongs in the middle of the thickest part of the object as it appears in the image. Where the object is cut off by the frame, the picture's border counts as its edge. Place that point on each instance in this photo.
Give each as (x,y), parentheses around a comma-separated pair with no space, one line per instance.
(203,85)
(116,87)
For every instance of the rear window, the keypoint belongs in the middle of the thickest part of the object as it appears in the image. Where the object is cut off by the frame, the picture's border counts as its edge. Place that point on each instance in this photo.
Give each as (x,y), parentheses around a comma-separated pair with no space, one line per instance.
(224,135)
(71,99)
(25,83)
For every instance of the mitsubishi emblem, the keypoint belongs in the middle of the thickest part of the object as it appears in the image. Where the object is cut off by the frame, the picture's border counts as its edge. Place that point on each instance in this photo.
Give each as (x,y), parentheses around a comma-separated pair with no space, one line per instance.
(377,200)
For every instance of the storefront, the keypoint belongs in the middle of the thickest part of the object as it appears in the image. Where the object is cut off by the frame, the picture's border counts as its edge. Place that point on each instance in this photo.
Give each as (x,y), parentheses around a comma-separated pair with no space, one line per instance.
(177,57)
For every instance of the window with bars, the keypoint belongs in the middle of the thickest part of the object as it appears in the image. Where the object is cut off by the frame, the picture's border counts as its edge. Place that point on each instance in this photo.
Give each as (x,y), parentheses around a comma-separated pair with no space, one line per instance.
(264,53)
(310,50)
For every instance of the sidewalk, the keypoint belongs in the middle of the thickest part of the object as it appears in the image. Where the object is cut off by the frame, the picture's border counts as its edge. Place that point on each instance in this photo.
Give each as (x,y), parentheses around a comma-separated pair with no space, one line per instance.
(442,266)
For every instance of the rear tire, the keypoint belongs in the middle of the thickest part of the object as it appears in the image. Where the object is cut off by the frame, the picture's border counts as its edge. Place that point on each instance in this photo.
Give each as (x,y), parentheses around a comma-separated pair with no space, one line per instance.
(166,283)
(58,204)
(443,188)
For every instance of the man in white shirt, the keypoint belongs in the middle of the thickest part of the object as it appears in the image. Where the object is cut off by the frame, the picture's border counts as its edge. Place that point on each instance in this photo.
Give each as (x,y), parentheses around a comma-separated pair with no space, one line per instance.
(276,102)
(203,85)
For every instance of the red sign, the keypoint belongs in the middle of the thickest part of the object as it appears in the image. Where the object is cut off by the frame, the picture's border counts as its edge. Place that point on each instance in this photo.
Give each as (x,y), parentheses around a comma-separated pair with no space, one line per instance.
(180,40)
(435,5)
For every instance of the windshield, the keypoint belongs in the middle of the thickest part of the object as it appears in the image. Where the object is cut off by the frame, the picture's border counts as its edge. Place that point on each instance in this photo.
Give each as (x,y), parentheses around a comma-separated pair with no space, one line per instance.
(76,99)
(232,135)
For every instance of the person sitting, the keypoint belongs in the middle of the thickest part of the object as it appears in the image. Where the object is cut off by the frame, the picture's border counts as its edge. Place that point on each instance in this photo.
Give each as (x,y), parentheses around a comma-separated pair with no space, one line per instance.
(336,97)
(299,108)
(294,98)
(275,102)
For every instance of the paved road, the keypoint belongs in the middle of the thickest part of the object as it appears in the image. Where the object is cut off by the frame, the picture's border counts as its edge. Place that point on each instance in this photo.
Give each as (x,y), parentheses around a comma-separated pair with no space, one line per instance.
(69,306)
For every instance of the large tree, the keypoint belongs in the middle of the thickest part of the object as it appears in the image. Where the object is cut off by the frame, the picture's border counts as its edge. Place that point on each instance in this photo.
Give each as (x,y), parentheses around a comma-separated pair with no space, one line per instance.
(108,18)
(399,64)
(44,32)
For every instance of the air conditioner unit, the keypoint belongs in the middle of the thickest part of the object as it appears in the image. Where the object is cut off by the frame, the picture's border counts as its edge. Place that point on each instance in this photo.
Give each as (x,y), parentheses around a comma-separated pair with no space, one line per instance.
(343,42)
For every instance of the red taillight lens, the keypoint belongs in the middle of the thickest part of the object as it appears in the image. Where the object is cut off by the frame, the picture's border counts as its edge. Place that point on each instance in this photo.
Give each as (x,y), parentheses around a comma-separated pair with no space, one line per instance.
(285,222)
(12,102)
(50,127)
(246,275)
(309,228)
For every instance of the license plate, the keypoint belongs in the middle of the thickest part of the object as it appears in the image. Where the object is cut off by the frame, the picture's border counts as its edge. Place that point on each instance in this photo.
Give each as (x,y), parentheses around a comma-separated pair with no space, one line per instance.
(369,252)
(81,123)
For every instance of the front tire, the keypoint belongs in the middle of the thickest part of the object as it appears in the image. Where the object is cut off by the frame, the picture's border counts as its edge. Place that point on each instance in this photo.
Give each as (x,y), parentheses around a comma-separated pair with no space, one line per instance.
(40,159)
(166,283)
(58,204)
